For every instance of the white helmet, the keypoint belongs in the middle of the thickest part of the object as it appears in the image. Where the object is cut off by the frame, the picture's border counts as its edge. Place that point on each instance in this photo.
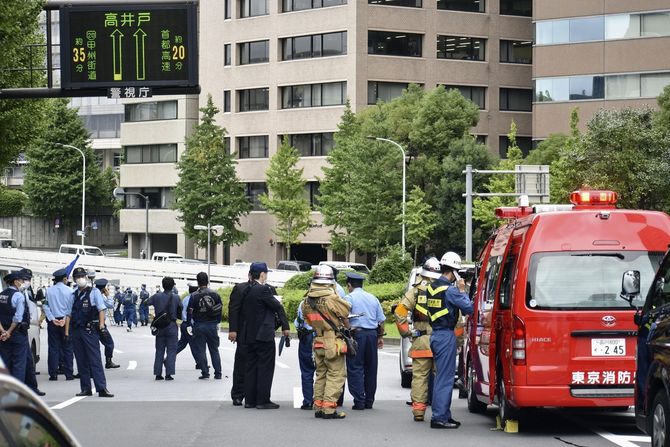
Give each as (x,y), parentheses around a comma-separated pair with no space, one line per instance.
(451,259)
(323,275)
(431,268)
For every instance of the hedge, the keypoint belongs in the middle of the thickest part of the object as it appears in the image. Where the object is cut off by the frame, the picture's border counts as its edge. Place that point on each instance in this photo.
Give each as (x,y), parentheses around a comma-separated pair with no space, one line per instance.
(12,202)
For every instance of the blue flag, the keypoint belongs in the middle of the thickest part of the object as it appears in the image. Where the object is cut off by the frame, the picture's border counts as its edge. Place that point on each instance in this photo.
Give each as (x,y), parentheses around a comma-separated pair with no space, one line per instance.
(70,266)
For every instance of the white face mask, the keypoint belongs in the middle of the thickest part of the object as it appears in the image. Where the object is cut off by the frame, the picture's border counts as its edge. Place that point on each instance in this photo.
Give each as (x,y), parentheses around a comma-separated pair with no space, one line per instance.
(24,285)
(81,282)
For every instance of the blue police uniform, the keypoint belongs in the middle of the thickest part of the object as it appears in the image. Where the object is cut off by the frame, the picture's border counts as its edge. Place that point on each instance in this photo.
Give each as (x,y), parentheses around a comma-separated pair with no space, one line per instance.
(105,339)
(129,301)
(362,369)
(305,360)
(144,307)
(13,309)
(444,302)
(166,338)
(118,315)
(56,307)
(86,338)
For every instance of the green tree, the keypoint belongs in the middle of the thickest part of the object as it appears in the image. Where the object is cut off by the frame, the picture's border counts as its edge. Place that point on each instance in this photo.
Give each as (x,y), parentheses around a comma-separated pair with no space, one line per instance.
(19,31)
(548,151)
(53,174)
(484,208)
(208,190)
(286,196)
(12,202)
(420,220)
(663,116)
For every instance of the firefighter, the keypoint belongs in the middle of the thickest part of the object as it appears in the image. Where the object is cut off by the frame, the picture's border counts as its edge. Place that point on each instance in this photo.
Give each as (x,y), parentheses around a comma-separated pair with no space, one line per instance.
(323,309)
(445,297)
(412,307)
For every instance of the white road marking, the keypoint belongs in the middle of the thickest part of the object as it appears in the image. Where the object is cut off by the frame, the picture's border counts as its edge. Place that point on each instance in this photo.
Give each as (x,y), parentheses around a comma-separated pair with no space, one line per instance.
(132,364)
(118,351)
(391,354)
(297,397)
(622,440)
(281,365)
(67,403)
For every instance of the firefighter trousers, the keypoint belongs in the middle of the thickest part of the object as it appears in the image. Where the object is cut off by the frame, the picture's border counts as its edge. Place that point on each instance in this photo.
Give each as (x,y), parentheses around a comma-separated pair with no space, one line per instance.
(422,368)
(330,377)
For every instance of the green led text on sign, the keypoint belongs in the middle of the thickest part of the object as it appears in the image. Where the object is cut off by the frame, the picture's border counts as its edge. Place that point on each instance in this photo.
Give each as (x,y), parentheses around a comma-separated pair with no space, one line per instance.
(128,46)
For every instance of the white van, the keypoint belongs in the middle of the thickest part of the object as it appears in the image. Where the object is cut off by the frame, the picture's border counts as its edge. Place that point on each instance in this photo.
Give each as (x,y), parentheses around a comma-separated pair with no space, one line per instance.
(162,256)
(83,250)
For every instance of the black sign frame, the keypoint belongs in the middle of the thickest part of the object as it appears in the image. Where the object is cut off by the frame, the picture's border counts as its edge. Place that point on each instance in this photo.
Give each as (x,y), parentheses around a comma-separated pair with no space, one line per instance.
(191,38)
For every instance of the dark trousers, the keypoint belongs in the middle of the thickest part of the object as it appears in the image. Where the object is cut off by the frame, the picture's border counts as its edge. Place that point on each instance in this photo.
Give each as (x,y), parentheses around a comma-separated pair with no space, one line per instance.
(206,336)
(108,342)
(166,341)
(443,344)
(31,378)
(307,368)
(259,372)
(144,314)
(239,370)
(15,353)
(130,315)
(186,340)
(60,351)
(86,345)
(362,369)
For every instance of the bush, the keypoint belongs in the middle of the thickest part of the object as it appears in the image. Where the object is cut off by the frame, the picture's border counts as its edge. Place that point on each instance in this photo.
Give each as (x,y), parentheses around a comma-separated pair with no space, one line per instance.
(300,281)
(291,299)
(394,267)
(224,293)
(11,202)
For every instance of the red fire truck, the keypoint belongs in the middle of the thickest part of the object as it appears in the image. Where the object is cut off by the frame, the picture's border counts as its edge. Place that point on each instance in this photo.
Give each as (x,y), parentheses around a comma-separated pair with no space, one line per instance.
(549,328)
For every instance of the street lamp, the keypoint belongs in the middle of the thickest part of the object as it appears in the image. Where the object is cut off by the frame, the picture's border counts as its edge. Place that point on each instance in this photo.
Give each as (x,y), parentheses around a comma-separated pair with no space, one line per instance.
(83,187)
(118,194)
(209,228)
(404,176)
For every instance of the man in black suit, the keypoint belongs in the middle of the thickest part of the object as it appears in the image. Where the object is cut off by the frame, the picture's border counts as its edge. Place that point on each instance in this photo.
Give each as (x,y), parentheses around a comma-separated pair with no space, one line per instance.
(235,320)
(259,309)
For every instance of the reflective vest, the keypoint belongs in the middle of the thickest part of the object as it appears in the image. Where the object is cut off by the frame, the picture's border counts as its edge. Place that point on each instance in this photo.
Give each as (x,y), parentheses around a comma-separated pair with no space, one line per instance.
(441,314)
(7,310)
(421,308)
(83,312)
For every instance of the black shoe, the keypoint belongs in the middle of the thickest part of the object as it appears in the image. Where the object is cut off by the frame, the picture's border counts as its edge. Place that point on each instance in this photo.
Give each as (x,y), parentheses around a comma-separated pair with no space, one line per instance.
(111,364)
(336,415)
(76,376)
(217,376)
(454,421)
(69,378)
(85,393)
(53,378)
(237,402)
(306,407)
(318,414)
(204,376)
(358,407)
(169,377)
(408,402)
(443,424)
(38,392)
(159,377)
(418,418)
(105,393)
(249,406)
(268,406)
(368,406)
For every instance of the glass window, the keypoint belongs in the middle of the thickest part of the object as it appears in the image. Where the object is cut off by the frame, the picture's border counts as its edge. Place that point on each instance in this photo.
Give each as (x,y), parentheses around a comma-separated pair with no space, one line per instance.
(332,94)
(116,162)
(227,55)
(159,198)
(394,44)
(334,44)
(516,7)
(302,47)
(150,111)
(474,94)
(462,5)
(253,8)
(622,86)
(552,32)
(301,5)
(226,101)
(103,126)
(385,91)
(253,147)
(587,87)
(254,52)
(516,52)
(655,24)
(313,95)
(516,99)
(312,144)
(253,99)
(167,153)
(587,29)
(152,153)
(227,8)
(622,26)
(524,143)
(133,154)
(408,3)
(552,89)
(254,191)
(312,194)
(319,45)
(653,84)
(28,428)
(461,48)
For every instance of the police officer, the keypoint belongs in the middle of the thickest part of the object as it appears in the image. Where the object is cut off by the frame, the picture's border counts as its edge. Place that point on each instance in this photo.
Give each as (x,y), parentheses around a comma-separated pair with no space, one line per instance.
(118,299)
(413,308)
(185,338)
(205,310)
(101,286)
(368,330)
(166,336)
(305,359)
(130,308)
(235,322)
(88,311)
(56,307)
(259,308)
(33,311)
(445,297)
(323,309)
(144,308)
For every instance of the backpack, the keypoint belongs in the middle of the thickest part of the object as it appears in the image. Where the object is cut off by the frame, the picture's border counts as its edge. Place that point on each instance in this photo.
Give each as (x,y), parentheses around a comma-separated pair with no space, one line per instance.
(207,307)
(128,299)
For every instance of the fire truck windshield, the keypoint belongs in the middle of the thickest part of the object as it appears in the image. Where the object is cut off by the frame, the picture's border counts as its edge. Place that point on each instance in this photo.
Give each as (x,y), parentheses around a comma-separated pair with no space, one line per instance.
(586,280)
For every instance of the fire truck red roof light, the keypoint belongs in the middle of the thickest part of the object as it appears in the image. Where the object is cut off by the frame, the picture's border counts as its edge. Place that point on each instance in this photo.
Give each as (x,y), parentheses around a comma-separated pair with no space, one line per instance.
(513,212)
(593,198)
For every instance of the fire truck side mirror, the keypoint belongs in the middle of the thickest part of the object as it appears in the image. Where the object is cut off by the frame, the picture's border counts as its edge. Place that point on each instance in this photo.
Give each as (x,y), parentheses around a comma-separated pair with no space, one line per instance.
(630,285)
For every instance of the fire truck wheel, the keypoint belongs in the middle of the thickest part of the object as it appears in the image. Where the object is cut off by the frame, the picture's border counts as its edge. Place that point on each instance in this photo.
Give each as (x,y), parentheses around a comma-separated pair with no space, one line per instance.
(474,405)
(505,409)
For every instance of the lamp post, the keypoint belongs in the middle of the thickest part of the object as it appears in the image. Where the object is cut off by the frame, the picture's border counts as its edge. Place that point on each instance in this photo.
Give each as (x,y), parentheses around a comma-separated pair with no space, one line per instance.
(404,176)
(118,194)
(209,227)
(83,187)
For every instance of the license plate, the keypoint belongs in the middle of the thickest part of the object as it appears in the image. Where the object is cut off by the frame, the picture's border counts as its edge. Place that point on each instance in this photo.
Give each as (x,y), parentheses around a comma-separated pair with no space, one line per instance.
(608,347)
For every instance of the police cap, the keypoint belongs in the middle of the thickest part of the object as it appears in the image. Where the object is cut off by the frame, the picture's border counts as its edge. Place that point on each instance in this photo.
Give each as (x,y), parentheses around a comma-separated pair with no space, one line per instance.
(11,277)
(258,267)
(101,283)
(79,272)
(60,274)
(26,273)
(354,276)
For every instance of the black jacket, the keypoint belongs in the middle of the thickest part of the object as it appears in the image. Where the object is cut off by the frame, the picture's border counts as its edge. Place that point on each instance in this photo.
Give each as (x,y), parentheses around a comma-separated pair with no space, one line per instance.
(259,308)
(235,318)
